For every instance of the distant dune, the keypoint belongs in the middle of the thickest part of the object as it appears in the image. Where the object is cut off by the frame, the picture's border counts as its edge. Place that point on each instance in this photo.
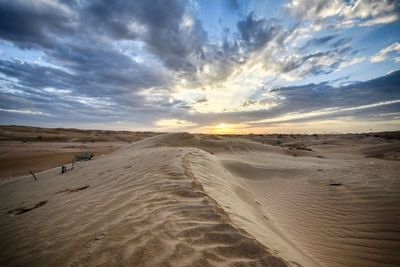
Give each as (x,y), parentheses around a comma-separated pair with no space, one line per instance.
(24,148)
(199,200)
(37,134)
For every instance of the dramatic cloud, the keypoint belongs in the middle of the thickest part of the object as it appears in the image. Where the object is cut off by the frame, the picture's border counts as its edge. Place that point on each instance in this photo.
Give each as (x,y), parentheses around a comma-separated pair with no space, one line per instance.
(312,97)
(298,66)
(173,65)
(35,23)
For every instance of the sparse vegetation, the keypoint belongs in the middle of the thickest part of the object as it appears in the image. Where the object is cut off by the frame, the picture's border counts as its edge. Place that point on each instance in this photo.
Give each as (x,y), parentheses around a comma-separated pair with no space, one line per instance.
(84,155)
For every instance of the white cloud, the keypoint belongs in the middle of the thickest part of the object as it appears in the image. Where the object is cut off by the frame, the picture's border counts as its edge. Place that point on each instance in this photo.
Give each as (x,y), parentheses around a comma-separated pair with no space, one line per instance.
(174,123)
(187,22)
(350,62)
(342,14)
(381,20)
(25,111)
(136,28)
(385,52)
(57,91)
(316,113)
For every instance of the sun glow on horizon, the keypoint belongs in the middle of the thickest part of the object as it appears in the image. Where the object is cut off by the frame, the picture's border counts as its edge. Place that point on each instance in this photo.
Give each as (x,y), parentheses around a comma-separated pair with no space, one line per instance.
(222,128)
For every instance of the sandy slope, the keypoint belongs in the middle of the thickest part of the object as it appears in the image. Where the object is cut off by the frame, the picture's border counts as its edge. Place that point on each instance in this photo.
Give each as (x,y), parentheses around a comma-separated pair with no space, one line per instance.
(187,200)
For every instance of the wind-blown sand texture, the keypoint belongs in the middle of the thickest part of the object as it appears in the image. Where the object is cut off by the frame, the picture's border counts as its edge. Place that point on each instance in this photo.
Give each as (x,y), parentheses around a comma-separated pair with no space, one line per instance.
(200,200)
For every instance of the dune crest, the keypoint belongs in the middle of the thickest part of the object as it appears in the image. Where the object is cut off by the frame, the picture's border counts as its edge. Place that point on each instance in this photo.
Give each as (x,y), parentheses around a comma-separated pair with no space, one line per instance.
(135,207)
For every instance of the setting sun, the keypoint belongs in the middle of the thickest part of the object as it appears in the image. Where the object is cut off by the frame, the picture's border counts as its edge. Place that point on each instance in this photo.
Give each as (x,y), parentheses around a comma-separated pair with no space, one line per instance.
(222,128)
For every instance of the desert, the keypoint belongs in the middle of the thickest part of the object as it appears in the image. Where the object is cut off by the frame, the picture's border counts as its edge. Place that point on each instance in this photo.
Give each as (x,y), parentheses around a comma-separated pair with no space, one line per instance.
(196,133)
(181,199)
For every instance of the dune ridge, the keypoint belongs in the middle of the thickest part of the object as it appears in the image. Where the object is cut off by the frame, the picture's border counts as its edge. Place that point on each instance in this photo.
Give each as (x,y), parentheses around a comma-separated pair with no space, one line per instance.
(138,207)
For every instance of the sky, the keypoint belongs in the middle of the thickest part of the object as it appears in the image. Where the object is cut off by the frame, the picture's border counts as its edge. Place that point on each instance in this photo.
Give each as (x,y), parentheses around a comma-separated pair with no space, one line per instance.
(290,66)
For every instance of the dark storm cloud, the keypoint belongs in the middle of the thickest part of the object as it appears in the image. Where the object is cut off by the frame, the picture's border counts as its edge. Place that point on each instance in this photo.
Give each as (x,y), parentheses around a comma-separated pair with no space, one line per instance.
(161,24)
(31,24)
(35,88)
(78,40)
(84,80)
(99,96)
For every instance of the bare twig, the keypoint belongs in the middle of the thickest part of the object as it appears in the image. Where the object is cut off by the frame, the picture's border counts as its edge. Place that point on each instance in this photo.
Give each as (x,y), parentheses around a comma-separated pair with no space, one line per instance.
(34,176)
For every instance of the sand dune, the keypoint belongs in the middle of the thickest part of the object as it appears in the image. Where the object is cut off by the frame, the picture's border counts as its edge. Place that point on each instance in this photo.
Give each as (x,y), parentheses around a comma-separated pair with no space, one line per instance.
(197,200)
